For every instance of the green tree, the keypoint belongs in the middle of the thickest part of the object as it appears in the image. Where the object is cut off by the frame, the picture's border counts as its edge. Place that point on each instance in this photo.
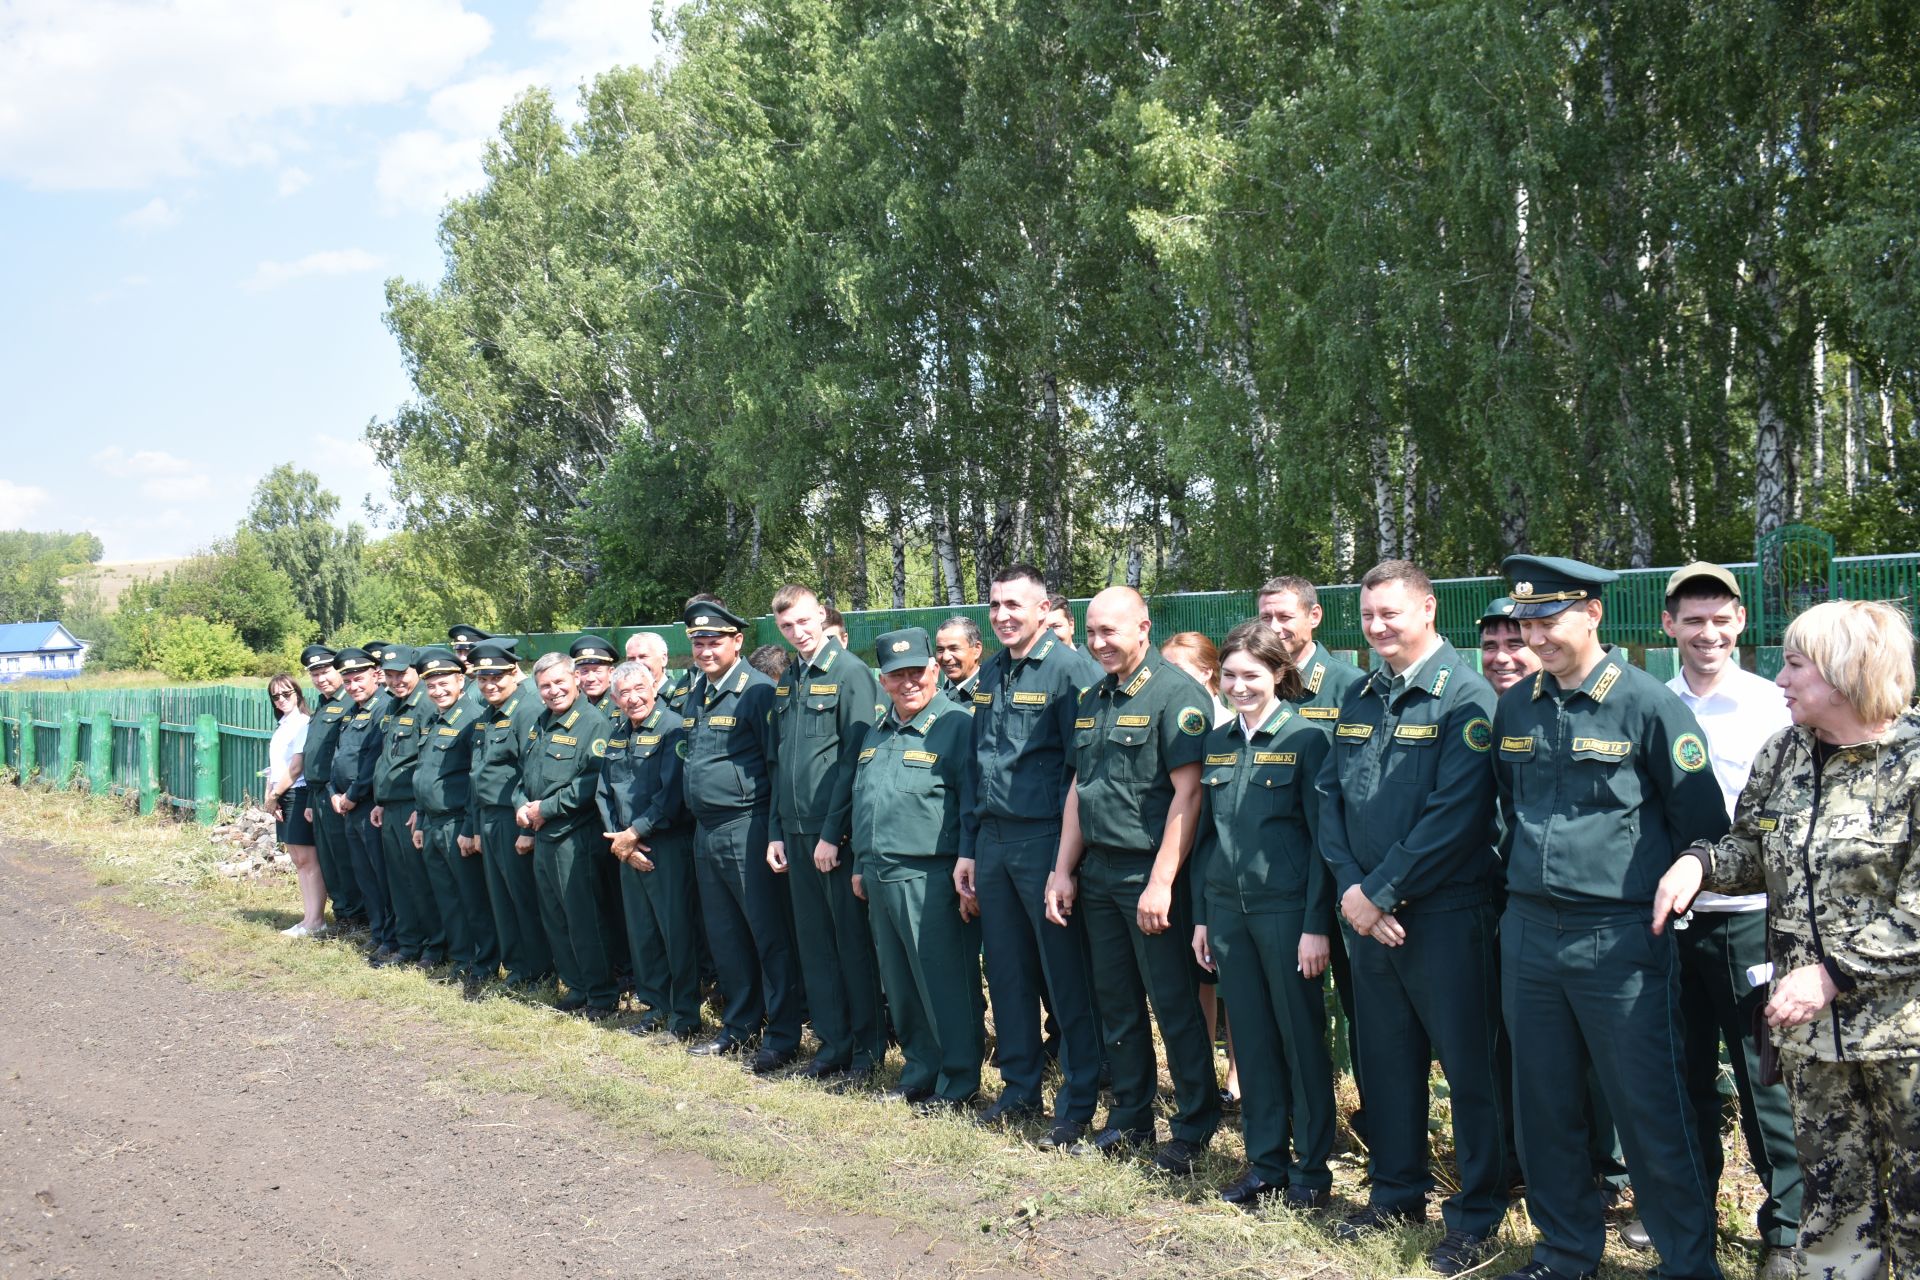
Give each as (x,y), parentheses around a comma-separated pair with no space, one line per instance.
(192,650)
(293,518)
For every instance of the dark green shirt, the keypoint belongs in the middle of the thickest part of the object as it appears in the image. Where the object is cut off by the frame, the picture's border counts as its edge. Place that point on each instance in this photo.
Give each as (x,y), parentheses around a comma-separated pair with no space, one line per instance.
(323,736)
(640,788)
(1328,680)
(442,779)
(961,693)
(1255,850)
(1023,736)
(816,706)
(495,773)
(730,744)
(1408,788)
(1130,735)
(560,759)
(399,748)
(1600,786)
(911,782)
(679,685)
(355,747)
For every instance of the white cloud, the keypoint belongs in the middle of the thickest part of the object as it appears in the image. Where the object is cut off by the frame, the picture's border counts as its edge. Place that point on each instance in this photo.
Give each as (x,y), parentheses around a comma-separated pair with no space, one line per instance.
(145,90)
(151,216)
(293,179)
(141,465)
(20,504)
(598,33)
(421,169)
(328,262)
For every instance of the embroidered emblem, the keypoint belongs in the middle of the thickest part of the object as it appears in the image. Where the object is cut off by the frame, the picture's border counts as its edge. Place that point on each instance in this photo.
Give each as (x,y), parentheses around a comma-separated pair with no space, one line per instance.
(600,746)
(901,646)
(1603,747)
(1690,753)
(680,748)
(722,722)
(1193,721)
(1477,733)
(1320,713)
(920,757)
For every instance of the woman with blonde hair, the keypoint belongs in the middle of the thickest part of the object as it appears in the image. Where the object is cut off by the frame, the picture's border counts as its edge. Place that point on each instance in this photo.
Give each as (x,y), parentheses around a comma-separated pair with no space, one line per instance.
(286,800)
(1827,826)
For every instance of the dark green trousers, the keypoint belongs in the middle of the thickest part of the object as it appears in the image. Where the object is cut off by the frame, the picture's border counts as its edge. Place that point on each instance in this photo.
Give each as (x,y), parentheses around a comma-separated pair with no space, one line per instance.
(567,876)
(1131,967)
(1718,1005)
(460,891)
(835,947)
(658,907)
(930,964)
(336,859)
(748,920)
(1437,994)
(1280,1023)
(613,925)
(370,869)
(1580,989)
(418,931)
(514,898)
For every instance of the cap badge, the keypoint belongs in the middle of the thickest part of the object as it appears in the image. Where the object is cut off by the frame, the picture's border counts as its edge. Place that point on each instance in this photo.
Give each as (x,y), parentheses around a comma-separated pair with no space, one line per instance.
(1521,590)
(901,646)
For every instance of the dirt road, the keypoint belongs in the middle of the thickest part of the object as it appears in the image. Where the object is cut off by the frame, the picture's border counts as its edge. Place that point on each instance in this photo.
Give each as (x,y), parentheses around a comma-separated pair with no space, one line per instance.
(151,1126)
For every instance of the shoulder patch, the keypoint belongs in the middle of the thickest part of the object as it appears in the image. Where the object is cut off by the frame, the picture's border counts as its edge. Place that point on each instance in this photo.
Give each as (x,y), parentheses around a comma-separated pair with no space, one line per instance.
(680,748)
(1193,721)
(1689,752)
(1604,685)
(600,746)
(1477,733)
(1356,732)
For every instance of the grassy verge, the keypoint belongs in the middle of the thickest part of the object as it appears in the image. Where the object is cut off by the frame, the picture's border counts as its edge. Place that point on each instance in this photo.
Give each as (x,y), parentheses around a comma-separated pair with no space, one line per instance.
(991,1192)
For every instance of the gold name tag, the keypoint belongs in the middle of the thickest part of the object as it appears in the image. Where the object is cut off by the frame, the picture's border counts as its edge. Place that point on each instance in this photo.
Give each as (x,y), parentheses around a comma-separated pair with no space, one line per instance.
(648,739)
(562,740)
(1230,757)
(1416,732)
(1021,698)
(820,690)
(781,691)
(616,742)
(920,757)
(867,754)
(449,733)
(1276,757)
(406,719)
(686,722)
(1358,732)
(721,722)
(1519,746)
(1133,722)
(1601,747)
(983,699)
(1320,713)
(1767,824)
(1084,722)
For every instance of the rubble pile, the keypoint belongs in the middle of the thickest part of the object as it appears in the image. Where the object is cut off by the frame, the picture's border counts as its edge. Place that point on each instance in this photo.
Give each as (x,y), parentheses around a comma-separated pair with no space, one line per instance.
(249,833)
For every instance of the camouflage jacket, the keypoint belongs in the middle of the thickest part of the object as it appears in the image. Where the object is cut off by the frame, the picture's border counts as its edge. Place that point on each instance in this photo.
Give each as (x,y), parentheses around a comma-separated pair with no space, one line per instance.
(1835,853)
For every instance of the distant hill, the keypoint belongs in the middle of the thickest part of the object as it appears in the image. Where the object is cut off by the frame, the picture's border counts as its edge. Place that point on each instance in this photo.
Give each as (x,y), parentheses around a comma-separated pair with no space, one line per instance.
(114,576)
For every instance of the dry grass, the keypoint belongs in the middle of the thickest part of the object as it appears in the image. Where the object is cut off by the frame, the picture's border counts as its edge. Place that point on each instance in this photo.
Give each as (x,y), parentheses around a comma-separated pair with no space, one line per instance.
(1004,1197)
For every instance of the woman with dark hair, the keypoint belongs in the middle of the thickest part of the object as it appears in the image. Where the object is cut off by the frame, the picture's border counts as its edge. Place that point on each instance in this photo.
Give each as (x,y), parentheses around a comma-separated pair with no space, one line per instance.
(286,800)
(1263,912)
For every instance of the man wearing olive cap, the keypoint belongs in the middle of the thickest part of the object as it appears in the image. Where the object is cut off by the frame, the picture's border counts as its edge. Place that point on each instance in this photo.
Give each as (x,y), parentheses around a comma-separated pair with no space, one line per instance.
(593,660)
(350,795)
(329,829)
(419,933)
(1602,776)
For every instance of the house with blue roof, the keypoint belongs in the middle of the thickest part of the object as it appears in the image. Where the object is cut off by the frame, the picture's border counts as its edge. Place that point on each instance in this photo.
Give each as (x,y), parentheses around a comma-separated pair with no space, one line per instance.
(39,651)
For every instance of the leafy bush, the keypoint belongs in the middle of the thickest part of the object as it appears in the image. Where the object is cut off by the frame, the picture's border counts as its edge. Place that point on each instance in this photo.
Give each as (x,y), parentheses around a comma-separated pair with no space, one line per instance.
(190,649)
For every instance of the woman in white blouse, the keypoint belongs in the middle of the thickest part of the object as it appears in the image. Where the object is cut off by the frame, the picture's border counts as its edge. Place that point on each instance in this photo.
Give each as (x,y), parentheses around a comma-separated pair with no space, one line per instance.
(287,802)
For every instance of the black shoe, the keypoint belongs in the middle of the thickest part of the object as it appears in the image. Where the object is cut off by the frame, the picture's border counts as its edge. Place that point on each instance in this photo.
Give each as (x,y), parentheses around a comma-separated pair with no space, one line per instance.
(721,1046)
(1306,1200)
(939,1106)
(1541,1271)
(1064,1136)
(1458,1251)
(472,987)
(1176,1156)
(383,956)
(572,1004)
(820,1069)
(1007,1109)
(599,1012)
(1249,1191)
(1378,1218)
(1118,1144)
(1229,1100)
(854,1080)
(1634,1235)
(911,1096)
(649,1024)
(767,1061)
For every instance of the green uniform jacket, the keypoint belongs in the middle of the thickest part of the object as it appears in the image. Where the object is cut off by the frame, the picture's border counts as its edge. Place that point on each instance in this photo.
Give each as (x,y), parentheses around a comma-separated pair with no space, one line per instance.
(816,707)
(640,788)
(1130,735)
(1023,736)
(1408,788)
(354,749)
(730,744)
(961,693)
(442,779)
(1328,680)
(1853,826)
(495,773)
(1600,786)
(911,782)
(679,685)
(1255,850)
(323,736)
(1087,671)
(560,759)
(399,748)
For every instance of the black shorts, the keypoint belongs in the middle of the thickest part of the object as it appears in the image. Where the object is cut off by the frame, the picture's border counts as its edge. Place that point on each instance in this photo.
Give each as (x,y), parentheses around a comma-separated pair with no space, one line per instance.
(294,826)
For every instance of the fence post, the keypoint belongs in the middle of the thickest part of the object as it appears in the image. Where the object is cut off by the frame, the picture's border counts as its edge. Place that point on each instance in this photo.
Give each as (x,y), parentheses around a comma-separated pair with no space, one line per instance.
(69,747)
(29,747)
(206,769)
(149,762)
(100,765)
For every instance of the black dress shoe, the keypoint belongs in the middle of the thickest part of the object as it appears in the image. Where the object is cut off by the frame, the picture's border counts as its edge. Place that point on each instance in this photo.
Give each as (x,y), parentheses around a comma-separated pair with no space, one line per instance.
(911,1095)
(1063,1136)
(1460,1251)
(720,1046)
(383,956)
(1118,1144)
(1007,1109)
(1635,1236)
(572,1004)
(649,1024)
(768,1061)
(1377,1218)
(1229,1100)
(1176,1157)
(1541,1271)
(1304,1200)
(820,1069)
(1249,1191)
(939,1106)
(599,1012)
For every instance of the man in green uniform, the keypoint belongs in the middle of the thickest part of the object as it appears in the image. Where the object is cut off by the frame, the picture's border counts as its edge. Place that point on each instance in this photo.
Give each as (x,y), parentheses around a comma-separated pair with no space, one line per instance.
(560,753)
(1060,622)
(729,787)
(1129,824)
(593,664)
(350,795)
(491,831)
(823,696)
(647,827)
(329,828)
(1406,827)
(463,636)
(913,780)
(1024,705)
(419,933)
(1603,776)
(670,690)
(442,788)
(957,648)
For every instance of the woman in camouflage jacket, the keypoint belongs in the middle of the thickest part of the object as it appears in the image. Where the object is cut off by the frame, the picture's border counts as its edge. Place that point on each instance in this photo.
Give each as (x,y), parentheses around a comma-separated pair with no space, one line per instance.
(1827,826)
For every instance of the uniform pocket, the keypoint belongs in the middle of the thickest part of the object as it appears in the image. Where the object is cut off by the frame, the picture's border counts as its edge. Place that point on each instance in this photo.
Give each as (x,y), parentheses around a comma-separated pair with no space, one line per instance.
(817,719)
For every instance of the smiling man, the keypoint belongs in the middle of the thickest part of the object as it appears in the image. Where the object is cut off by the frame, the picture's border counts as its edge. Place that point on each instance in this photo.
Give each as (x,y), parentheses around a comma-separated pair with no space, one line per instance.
(957,648)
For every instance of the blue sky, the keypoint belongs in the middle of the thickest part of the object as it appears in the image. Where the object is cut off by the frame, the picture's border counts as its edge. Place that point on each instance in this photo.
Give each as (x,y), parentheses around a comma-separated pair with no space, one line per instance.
(200,202)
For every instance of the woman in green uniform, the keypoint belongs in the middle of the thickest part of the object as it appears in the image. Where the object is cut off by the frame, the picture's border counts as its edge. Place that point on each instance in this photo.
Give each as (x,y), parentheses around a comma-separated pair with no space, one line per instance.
(1263,913)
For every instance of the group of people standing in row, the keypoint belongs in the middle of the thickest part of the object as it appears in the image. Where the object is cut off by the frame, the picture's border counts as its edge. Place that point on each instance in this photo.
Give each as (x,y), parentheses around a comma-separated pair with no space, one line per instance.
(1569,883)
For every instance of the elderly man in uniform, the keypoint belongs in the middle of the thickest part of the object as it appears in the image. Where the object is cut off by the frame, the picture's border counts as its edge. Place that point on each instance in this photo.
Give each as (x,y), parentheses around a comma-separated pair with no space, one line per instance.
(442,787)
(669,687)
(822,698)
(419,933)
(1024,703)
(957,648)
(560,754)
(329,828)
(1603,777)
(349,794)
(1129,825)
(491,832)
(593,666)
(1406,826)
(729,787)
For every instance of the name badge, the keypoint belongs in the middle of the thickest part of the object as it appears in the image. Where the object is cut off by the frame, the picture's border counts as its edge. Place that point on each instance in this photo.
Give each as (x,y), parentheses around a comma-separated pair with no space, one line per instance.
(781,691)
(448,733)
(406,719)
(616,742)
(686,722)
(982,699)
(1228,757)
(1276,757)
(561,739)
(722,722)
(867,754)
(920,757)
(821,690)
(503,724)
(1517,746)
(649,739)
(1357,732)
(1320,713)
(1767,824)
(1602,747)
(1084,722)
(1133,722)
(1022,698)
(1415,732)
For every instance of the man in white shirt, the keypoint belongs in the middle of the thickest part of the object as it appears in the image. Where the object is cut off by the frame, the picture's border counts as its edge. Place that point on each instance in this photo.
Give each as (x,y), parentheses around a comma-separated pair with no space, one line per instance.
(1738,711)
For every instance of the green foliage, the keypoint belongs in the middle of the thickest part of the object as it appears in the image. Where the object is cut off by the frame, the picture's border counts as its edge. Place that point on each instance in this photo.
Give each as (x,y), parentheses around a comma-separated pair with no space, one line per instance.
(233,582)
(293,519)
(191,649)
(407,592)
(31,567)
